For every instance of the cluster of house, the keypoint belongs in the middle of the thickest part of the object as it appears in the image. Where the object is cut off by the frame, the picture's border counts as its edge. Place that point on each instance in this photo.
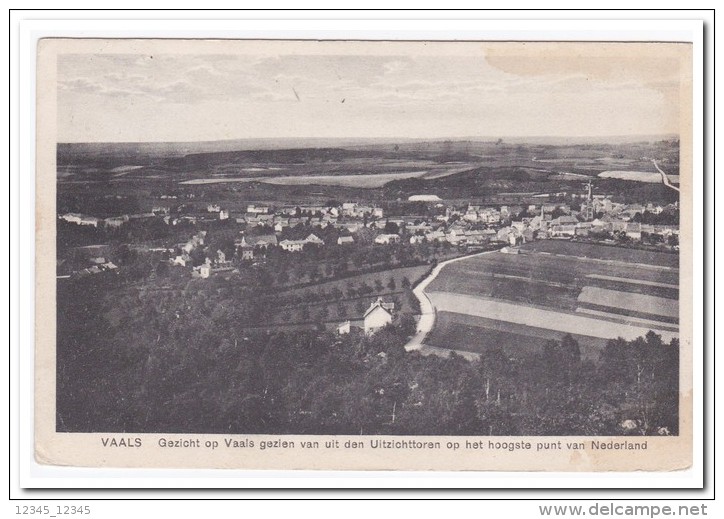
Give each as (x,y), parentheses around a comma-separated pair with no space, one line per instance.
(633,230)
(219,263)
(248,244)
(112,221)
(350,216)
(298,245)
(377,316)
(476,225)
(467,226)
(215,208)
(184,258)
(99,265)
(614,218)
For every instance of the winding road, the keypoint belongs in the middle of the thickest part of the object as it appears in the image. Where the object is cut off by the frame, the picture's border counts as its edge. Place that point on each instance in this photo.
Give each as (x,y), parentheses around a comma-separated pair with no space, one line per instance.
(665,177)
(427,309)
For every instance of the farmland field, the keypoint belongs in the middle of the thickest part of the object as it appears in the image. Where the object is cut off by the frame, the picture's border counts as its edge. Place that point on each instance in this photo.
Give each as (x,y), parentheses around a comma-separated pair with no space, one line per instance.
(367,181)
(629,301)
(455,331)
(637,176)
(536,317)
(546,279)
(552,288)
(605,252)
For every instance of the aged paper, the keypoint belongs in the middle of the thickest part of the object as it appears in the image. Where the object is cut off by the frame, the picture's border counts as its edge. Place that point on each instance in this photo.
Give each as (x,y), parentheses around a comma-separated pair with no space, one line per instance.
(371,255)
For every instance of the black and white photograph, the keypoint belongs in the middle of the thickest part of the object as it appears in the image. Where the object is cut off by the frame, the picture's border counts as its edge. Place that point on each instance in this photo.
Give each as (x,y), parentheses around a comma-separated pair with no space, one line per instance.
(397,243)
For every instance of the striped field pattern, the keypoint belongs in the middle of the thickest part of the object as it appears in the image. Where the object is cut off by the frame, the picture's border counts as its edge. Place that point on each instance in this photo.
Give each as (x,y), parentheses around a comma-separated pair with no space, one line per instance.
(551,289)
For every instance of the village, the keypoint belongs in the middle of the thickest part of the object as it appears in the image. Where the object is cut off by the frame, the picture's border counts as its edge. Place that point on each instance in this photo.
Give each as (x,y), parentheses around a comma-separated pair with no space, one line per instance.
(307,245)
(296,229)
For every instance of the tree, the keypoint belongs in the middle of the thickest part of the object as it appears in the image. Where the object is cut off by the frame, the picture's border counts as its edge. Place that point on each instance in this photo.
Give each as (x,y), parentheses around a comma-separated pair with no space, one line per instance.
(360,306)
(341,310)
(391,228)
(162,269)
(313,273)
(494,369)
(571,350)
(391,284)
(405,282)
(464,417)
(305,313)
(407,325)
(282,277)
(323,313)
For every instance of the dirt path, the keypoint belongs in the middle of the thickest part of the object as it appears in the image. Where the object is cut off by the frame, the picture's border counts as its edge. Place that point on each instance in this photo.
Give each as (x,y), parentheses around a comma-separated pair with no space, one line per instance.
(427,309)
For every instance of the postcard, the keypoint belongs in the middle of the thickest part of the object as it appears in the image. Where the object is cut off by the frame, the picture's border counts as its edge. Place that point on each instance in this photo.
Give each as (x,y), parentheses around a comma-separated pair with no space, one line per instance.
(364,255)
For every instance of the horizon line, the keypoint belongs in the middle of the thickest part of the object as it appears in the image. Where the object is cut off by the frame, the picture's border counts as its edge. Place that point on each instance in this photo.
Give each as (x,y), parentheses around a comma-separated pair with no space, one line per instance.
(398,138)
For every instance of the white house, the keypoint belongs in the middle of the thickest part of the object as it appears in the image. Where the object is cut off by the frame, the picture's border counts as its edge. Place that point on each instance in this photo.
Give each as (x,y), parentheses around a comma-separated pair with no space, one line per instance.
(344,328)
(345,240)
(633,230)
(109,266)
(247,253)
(471,216)
(519,225)
(435,236)
(263,241)
(502,234)
(202,271)
(557,231)
(490,216)
(456,238)
(224,214)
(181,259)
(349,208)
(72,218)
(377,316)
(292,245)
(314,239)
(423,198)
(89,220)
(257,209)
(386,239)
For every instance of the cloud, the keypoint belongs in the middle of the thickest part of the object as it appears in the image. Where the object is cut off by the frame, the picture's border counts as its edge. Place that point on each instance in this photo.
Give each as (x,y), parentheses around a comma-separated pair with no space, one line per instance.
(80,85)
(392,67)
(388,91)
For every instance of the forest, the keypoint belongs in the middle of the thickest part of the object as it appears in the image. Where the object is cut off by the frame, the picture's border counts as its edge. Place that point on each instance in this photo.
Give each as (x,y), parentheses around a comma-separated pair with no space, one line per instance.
(142,360)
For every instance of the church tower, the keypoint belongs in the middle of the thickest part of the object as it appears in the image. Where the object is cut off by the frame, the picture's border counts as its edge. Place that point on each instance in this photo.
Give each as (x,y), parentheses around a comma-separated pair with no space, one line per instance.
(588,212)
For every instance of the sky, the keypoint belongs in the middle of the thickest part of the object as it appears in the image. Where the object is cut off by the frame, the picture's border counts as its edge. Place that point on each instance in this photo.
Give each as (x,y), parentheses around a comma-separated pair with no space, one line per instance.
(104,97)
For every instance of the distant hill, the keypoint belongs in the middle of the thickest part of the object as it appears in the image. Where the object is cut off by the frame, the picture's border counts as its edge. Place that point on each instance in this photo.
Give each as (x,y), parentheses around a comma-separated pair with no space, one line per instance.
(145,151)
(134,150)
